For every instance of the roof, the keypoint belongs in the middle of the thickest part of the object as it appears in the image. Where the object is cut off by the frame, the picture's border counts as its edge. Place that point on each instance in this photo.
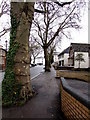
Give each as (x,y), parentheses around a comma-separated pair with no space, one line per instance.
(65,51)
(80,47)
(55,53)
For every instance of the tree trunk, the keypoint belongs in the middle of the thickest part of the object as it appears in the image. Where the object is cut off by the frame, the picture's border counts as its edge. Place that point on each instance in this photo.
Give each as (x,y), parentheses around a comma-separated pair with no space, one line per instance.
(24,13)
(50,60)
(47,67)
(33,60)
(79,63)
(51,57)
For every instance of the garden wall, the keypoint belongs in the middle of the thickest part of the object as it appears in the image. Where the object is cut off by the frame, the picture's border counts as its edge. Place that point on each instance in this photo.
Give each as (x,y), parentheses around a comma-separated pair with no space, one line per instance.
(75,105)
(82,75)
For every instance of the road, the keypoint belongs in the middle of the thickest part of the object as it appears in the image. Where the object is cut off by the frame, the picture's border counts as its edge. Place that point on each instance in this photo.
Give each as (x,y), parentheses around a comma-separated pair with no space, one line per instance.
(34,71)
(1,76)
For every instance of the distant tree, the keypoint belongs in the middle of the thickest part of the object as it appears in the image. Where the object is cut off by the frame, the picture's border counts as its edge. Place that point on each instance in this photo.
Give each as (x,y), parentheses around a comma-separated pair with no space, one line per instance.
(79,58)
(35,50)
(4,10)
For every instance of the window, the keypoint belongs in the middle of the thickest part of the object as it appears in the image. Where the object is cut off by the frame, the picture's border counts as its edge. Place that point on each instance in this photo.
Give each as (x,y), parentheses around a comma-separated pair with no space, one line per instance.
(62,62)
(59,63)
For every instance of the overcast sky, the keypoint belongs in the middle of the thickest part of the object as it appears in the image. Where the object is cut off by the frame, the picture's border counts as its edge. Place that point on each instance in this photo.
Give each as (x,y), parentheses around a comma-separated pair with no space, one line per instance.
(80,36)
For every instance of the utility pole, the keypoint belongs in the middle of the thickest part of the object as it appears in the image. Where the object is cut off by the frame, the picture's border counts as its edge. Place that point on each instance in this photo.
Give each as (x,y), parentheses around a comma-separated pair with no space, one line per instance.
(6,51)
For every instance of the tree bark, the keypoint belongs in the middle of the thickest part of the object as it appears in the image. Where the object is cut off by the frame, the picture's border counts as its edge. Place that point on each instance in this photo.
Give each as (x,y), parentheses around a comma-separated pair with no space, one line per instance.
(47,67)
(24,13)
(34,60)
(50,58)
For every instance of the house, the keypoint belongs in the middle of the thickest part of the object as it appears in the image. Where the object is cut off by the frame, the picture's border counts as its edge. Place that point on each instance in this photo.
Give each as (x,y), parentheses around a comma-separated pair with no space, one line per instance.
(55,56)
(63,57)
(2,58)
(79,48)
(40,60)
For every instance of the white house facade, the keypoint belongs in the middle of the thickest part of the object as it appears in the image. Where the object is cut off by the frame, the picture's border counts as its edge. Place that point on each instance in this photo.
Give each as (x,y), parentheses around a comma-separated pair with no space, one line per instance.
(68,56)
(79,48)
(63,57)
(55,57)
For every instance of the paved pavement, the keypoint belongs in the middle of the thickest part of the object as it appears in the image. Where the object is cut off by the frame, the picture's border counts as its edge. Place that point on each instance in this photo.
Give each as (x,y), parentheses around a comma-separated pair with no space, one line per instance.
(46,104)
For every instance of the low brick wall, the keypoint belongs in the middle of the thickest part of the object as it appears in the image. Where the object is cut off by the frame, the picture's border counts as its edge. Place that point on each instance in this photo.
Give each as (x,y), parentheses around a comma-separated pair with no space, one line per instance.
(75,107)
(73,74)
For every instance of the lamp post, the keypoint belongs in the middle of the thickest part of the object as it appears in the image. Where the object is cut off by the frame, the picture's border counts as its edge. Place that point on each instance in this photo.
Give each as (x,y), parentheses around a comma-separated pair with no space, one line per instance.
(6,45)
(6,51)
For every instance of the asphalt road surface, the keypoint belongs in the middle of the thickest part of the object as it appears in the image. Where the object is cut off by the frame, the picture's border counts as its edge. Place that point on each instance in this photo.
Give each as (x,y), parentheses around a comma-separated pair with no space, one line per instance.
(34,71)
(1,76)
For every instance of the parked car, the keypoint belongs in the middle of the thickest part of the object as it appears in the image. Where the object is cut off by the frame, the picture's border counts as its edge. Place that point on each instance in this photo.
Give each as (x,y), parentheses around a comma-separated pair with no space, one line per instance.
(39,63)
(33,65)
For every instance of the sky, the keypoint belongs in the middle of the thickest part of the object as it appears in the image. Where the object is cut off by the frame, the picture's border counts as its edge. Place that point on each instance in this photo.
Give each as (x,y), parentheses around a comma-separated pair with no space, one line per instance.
(4,23)
(80,36)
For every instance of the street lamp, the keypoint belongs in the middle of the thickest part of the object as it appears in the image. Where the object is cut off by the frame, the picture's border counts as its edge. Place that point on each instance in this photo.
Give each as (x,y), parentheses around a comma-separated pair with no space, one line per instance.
(6,45)
(6,51)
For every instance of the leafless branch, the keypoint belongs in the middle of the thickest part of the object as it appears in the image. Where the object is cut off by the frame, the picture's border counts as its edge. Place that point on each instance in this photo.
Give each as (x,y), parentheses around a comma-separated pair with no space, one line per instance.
(4,31)
(63,3)
(60,27)
(37,41)
(39,11)
(67,36)
(5,8)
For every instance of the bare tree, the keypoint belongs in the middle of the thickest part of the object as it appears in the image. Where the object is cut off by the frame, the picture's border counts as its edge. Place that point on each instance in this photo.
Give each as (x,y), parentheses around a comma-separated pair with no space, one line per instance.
(18,57)
(4,11)
(80,58)
(35,49)
(57,19)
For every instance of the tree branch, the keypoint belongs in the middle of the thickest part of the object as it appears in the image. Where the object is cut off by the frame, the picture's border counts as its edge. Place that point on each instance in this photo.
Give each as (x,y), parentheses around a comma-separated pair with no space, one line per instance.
(60,28)
(37,41)
(39,11)
(3,32)
(5,8)
(64,3)
(39,31)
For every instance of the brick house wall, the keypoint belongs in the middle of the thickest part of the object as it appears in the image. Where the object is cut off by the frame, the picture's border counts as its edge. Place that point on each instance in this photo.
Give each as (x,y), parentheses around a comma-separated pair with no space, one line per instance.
(2,59)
